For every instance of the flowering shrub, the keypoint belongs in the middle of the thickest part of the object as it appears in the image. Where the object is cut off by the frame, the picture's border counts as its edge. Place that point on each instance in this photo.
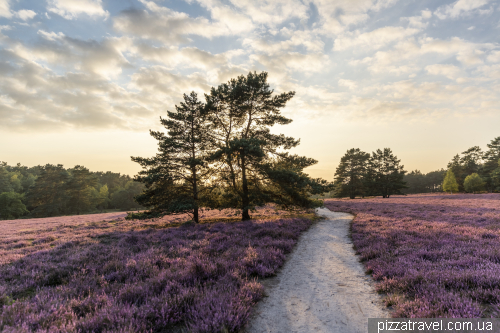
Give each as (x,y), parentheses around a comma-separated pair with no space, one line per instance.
(435,255)
(138,276)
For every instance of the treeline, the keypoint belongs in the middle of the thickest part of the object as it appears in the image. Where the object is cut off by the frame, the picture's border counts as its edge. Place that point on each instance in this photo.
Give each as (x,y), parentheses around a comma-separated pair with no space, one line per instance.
(52,190)
(482,168)
(362,174)
(418,182)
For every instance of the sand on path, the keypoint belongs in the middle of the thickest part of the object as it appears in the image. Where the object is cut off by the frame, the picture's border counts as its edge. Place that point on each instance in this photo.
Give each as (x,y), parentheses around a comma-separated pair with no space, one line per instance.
(322,287)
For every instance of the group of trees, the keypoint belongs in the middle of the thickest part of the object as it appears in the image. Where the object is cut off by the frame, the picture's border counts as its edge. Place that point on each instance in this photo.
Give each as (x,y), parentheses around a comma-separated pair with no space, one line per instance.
(52,190)
(418,182)
(362,174)
(220,153)
(474,170)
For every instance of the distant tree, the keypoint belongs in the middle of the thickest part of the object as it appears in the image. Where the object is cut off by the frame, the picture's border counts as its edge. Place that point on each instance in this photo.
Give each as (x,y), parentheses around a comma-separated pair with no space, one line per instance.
(450,183)
(175,176)
(495,178)
(455,165)
(493,152)
(124,198)
(349,176)
(5,185)
(416,182)
(434,180)
(473,183)
(79,190)
(11,206)
(487,171)
(47,197)
(385,173)
(251,162)
(100,198)
(471,160)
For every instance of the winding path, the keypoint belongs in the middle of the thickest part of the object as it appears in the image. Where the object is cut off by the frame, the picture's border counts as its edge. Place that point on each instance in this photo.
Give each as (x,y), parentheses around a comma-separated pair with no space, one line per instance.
(321,288)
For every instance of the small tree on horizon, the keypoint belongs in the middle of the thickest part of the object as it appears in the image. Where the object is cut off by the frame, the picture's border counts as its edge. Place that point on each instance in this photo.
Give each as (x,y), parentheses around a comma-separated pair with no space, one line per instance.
(473,183)
(450,182)
(349,176)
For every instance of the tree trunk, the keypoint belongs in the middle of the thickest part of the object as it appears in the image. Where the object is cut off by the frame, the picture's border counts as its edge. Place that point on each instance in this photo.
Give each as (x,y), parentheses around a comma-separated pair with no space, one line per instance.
(245,200)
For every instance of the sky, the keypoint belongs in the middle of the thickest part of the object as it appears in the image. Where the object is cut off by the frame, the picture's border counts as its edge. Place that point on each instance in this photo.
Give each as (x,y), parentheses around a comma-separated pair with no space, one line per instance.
(83,81)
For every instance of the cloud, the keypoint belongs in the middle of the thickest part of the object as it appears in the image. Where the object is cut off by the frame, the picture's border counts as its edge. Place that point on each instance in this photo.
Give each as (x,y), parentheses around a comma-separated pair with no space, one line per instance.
(450,71)
(71,9)
(459,8)
(348,83)
(374,39)
(25,15)
(169,26)
(5,9)
(337,16)
(188,57)
(294,39)
(272,12)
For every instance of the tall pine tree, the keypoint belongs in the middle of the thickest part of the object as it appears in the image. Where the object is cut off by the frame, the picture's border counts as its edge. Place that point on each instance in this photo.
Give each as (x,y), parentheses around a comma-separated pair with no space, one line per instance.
(175,177)
(251,160)
(386,175)
(349,176)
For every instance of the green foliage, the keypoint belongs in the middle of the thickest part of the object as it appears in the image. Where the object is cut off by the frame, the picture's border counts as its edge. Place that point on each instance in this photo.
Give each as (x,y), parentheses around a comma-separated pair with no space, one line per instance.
(350,174)
(384,175)
(473,183)
(48,196)
(5,185)
(176,177)
(52,190)
(418,182)
(250,161)
(11,206)
(124,198)
(79,189)
(450,183)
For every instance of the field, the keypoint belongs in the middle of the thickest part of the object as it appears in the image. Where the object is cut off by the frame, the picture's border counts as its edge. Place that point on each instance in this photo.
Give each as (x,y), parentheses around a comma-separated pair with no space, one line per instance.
(102,273)
(433,255)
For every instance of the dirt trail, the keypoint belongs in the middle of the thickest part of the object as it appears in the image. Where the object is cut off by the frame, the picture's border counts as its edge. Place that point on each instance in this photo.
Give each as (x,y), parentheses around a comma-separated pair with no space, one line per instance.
(322,286)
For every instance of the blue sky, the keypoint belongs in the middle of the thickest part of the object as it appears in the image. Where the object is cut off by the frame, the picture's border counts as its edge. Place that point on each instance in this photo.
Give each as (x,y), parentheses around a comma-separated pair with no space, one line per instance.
(84,80)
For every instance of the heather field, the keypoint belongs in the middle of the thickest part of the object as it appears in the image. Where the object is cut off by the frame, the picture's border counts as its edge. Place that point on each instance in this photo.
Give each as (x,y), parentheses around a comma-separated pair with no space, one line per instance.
(102,273)
(434,255)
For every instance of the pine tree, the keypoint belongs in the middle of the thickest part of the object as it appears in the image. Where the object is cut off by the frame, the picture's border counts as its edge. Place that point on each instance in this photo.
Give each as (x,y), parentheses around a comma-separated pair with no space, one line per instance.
(79,190)
(176,176)
(47,197)
(450,182)
(385,173)
(250,159)
(349,176)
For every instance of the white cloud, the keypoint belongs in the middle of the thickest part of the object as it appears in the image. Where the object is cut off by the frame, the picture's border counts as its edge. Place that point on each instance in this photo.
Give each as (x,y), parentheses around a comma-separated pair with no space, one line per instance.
(494,56)
(188,57)
(25,15)
(166,25)
(5,9)
(348,83)
(272,12)
(459,8)
(374,39)
(70,9)
(450,71)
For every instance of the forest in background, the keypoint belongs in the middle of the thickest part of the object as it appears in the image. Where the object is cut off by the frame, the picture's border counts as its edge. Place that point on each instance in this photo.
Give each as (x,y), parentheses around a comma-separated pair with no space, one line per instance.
(362,174)
(52,190)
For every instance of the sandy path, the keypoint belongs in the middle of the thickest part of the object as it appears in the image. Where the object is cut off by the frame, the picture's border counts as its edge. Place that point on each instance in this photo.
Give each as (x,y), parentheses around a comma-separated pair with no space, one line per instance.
(322,286)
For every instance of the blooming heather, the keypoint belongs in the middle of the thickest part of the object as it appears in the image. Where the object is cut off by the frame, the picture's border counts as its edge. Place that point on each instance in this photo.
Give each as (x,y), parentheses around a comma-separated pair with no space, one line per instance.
(435,255)
(138,276)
